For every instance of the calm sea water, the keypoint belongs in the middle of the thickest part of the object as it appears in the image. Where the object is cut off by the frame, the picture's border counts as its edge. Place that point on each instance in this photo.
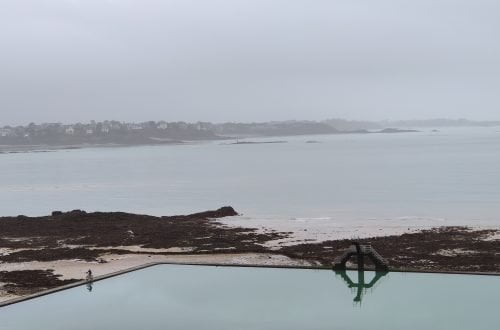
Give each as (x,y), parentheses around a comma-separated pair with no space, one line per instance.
(203,297)
(450,176)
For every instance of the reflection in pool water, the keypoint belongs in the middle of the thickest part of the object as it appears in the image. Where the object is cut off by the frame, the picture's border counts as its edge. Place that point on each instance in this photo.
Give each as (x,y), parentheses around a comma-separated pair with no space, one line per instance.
(220,298)
(89,286)
(361,286)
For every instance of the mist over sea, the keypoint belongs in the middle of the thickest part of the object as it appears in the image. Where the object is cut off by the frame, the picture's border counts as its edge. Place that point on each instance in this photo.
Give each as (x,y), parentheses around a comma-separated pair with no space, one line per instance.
(451,176)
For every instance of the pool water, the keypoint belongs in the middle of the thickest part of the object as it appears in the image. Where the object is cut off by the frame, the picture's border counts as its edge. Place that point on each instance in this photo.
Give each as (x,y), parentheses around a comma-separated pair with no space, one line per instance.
(207,297)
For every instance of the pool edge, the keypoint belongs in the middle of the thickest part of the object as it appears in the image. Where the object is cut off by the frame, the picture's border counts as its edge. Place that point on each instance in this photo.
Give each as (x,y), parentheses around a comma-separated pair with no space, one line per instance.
(148,265)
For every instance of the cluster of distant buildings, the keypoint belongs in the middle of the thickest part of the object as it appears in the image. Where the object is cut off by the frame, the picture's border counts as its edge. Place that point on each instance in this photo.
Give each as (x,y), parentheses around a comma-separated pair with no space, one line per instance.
(96,128)
(181,130)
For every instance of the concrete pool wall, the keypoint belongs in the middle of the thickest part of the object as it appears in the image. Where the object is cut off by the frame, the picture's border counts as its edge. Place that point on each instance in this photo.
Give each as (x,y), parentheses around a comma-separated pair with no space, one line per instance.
(132,269)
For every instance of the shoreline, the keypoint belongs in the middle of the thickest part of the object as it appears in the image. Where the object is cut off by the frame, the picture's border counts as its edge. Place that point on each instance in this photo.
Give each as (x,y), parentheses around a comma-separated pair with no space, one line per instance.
(16,149)
(24,148)
(56,250)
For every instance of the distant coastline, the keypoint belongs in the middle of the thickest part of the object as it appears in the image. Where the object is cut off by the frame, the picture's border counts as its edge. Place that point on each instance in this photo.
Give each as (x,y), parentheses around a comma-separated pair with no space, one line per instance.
(57,136)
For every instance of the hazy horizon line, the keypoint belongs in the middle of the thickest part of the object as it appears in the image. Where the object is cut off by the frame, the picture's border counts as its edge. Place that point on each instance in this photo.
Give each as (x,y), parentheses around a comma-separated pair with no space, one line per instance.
(260,122)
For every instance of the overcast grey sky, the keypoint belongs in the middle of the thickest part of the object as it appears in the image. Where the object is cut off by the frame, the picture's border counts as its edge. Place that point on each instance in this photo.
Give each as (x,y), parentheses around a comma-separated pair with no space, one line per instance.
(248,60)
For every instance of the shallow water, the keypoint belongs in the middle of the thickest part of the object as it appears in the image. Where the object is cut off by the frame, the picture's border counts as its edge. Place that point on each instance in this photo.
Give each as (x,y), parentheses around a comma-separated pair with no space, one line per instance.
(205,297)
(449,177)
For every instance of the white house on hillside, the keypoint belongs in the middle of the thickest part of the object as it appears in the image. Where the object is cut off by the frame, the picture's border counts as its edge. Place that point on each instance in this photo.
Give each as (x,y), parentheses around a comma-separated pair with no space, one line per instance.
(4,132)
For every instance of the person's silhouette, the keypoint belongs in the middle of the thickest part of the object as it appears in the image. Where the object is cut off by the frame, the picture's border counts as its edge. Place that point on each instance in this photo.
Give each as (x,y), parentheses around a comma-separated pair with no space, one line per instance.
(89,279)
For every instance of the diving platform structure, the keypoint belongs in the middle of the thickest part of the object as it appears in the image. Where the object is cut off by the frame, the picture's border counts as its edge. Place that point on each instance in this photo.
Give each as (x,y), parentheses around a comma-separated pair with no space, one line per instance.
(361,251)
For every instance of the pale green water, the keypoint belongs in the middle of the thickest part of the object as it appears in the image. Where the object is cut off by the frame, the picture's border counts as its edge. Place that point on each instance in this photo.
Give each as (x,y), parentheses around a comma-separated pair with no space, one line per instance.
(201,297)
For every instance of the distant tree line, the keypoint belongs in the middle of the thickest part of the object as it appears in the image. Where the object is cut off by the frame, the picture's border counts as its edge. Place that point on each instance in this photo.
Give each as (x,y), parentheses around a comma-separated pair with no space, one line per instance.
(151,132)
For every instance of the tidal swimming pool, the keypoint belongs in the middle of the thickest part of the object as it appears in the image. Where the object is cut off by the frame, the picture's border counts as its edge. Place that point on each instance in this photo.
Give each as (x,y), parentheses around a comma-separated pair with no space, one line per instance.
(208,297)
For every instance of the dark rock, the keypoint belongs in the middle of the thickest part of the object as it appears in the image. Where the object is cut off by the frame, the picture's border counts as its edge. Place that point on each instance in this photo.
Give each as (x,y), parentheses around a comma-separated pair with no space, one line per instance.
(27,281)
(74,214)
(226,211)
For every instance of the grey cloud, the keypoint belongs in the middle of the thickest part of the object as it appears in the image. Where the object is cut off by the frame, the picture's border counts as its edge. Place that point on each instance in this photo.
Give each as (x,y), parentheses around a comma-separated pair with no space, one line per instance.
(246,60)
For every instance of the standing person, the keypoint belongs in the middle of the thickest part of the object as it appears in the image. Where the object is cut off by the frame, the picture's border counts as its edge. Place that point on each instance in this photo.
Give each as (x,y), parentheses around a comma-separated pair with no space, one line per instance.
(89,279)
